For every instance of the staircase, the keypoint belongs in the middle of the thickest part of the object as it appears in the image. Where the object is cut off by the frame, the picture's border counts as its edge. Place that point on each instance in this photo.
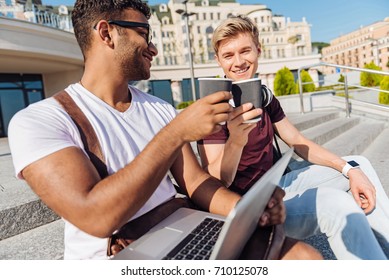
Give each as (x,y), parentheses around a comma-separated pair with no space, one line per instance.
(29,230)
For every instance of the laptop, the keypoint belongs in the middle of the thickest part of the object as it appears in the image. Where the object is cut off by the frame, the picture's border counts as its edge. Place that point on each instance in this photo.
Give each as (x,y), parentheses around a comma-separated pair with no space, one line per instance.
(194,234)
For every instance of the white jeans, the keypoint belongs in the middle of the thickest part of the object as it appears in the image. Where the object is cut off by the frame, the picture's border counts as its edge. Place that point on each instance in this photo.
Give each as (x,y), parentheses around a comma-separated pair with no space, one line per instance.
(317,201)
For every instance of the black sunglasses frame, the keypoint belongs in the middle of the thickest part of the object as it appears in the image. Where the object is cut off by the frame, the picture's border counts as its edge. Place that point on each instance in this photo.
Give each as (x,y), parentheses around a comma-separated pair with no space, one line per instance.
(130,24)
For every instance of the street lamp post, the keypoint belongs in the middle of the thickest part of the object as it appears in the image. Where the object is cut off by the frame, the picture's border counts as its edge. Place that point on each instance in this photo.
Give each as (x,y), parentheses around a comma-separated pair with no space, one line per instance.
(186,15)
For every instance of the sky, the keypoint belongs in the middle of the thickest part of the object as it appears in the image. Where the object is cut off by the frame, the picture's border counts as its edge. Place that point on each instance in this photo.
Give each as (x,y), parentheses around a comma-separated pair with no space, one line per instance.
(329,19)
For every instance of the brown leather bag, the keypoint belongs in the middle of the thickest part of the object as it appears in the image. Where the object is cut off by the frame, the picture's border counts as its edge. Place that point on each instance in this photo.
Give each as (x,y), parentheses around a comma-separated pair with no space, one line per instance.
(265,243)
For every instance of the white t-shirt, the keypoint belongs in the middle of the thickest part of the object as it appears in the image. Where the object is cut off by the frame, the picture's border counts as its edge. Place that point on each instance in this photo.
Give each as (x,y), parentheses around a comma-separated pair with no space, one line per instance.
(44,128)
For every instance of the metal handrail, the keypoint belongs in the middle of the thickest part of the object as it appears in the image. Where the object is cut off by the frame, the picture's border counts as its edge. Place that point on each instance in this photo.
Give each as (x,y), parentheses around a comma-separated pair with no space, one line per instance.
(348,105)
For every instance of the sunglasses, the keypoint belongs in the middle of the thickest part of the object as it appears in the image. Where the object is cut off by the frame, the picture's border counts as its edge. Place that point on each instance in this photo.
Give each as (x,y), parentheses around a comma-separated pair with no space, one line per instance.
(131,24)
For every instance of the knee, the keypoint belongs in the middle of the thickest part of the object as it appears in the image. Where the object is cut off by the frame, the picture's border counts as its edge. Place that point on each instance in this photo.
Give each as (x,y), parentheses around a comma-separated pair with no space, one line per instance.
(298,250)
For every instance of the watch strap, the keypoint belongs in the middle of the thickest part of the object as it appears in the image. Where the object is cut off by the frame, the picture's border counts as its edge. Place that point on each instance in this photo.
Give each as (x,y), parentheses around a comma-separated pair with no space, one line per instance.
(349,165)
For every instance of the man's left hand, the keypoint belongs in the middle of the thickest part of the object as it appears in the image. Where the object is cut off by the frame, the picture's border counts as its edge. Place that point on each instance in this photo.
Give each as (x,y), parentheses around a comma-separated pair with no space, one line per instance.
(362,190)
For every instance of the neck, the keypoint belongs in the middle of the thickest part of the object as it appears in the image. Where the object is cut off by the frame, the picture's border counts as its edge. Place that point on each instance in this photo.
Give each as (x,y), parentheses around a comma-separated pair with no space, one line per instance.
(106,81)
(116,94)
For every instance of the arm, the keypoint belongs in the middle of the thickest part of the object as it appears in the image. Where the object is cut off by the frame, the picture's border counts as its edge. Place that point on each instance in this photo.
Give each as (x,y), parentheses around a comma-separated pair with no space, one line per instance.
(222,160)
(210,194)
(360,185)
(225,159)
(69,184)
(206,191)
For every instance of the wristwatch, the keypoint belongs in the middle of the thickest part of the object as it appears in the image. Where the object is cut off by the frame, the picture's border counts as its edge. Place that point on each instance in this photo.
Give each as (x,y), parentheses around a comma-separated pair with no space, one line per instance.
(349,165)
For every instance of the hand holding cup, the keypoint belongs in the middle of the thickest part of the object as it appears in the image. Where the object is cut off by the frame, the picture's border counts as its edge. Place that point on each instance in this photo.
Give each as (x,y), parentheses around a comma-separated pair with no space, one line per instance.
(248,91)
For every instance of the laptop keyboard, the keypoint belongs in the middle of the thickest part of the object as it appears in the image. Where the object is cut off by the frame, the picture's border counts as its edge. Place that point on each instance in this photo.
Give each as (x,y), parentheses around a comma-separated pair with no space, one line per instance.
(198,245)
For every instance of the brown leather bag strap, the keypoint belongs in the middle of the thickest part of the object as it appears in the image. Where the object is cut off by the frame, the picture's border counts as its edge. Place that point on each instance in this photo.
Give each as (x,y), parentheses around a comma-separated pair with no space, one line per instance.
(88,134)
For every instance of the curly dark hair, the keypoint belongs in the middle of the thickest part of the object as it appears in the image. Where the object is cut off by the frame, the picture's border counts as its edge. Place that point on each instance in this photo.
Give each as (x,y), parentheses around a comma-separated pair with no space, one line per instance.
(87,13)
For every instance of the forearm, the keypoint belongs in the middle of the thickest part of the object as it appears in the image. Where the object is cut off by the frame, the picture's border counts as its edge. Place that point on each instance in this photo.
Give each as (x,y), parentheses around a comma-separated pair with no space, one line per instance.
(215,197)
(134,184)
(306,148)
(316,154)
(206,191)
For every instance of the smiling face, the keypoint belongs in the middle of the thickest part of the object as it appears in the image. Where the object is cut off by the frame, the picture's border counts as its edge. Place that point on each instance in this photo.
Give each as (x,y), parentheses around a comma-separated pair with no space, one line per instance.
(133,52)
(238,56)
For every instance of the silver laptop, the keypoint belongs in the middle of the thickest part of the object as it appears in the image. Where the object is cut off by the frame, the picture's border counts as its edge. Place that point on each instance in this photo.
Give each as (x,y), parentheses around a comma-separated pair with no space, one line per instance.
(194,234)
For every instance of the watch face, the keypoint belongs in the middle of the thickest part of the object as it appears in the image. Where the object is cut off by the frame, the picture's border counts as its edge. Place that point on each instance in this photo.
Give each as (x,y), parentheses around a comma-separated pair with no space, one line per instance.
(353,163)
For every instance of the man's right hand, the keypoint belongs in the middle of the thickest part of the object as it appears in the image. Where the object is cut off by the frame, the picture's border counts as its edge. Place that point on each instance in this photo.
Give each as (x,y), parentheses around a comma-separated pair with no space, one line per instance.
(275,212)
(203,117)
(239,130)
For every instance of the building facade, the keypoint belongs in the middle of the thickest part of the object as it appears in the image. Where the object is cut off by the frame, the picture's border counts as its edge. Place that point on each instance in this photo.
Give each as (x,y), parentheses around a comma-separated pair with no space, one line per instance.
(39,54)
(365,45)
(34,11)
(280,38)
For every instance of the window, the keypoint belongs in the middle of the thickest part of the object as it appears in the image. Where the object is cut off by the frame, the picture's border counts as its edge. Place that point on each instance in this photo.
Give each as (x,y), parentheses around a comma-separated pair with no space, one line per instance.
(17,91)
(165,20)
(209,30)
(163,8)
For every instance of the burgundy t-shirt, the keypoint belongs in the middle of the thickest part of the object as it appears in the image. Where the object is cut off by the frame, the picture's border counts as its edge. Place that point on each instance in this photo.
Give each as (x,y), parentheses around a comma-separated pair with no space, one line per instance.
(257,155)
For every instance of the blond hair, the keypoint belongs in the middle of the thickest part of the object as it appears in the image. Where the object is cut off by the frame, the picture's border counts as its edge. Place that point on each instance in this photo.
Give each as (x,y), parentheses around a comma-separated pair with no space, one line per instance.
(232,27)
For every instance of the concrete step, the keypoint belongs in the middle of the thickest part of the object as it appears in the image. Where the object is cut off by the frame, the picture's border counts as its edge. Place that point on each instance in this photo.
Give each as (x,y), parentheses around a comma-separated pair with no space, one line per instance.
(308,120)
(320,242)
(320,132)
(324,132)
(355,140)
(42,243)
(377,153)
(20,209)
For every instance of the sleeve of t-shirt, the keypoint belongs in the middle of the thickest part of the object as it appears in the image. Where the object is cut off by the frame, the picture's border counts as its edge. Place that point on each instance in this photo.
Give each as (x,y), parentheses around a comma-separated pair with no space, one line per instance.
(275,110)
(38,131)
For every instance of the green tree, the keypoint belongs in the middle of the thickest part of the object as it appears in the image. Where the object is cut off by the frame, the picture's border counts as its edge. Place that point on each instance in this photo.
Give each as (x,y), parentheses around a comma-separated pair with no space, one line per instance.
(306,78)
(369,79)
(383,97)
(319,46)
(341,78)
(284,82)
(184,104)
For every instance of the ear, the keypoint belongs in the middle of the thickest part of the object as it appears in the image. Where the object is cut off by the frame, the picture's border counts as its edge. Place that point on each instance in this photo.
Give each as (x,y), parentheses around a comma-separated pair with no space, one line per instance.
(259,50)
(104,32)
